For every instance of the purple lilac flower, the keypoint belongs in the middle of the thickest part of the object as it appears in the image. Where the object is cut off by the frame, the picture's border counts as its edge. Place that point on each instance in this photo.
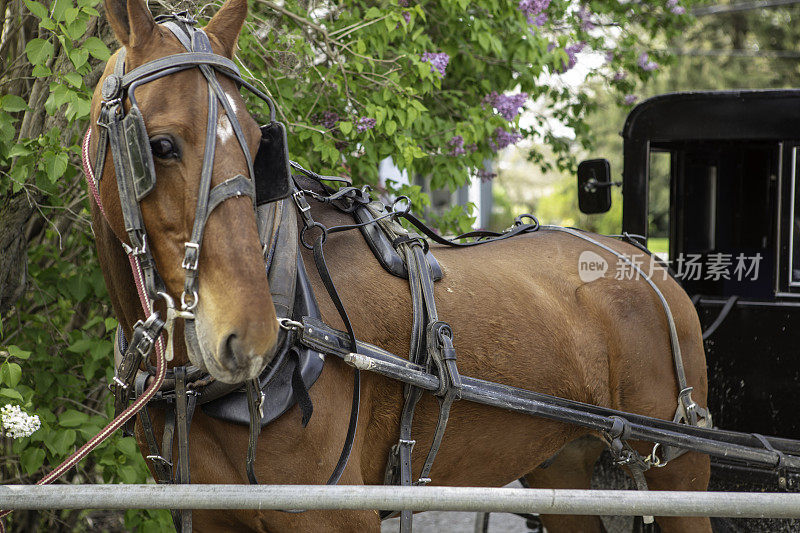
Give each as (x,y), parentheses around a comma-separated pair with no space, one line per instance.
(472,147)
(533,9)
(507,106)
(630,99)
(365,123)
(402,3)
(585,17)
(438,61)
(406,16)
(540,19)
(675,8)
(646,64)
(609,56)
(329,119)
(457,143)
(486,175)
(572,55)
(620,75)
(503,138)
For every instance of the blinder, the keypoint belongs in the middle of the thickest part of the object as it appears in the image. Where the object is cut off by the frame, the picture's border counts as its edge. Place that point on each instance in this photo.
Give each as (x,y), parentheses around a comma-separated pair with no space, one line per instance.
(271,171)
(138,154)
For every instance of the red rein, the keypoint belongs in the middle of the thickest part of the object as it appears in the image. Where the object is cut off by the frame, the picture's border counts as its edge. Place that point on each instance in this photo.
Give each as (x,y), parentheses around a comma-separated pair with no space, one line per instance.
(161,364)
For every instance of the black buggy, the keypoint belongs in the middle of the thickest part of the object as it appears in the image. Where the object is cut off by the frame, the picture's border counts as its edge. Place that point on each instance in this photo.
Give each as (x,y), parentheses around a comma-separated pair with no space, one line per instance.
(731,161)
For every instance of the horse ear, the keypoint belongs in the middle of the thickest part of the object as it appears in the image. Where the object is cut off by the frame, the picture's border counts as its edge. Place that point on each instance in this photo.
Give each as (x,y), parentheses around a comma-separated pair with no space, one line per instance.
(227,24)
(131,20)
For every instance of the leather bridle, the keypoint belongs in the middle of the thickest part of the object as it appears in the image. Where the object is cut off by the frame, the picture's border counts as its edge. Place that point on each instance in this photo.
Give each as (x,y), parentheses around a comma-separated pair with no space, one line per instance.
(126,136)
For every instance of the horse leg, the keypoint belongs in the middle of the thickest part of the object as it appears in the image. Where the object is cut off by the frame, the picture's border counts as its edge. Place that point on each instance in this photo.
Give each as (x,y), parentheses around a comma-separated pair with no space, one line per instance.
(570,468)
(689,472)
(275,521)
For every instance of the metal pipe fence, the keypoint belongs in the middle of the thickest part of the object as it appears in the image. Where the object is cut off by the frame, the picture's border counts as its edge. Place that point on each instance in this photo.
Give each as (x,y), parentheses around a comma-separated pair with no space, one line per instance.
(541,501)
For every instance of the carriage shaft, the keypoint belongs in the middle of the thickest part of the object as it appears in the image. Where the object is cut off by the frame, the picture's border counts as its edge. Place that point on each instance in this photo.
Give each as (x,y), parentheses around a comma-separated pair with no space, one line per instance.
(535,404)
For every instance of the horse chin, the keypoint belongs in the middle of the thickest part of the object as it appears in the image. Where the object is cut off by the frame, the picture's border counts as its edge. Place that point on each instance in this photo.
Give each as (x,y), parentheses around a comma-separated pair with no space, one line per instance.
(202,355)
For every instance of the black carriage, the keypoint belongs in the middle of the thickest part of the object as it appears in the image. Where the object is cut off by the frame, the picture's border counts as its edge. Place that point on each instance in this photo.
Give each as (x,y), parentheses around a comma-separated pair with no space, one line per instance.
(731,160)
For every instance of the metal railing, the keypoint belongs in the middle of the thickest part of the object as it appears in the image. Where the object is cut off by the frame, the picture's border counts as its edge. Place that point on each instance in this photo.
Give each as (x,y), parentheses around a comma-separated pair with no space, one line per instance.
(541,501)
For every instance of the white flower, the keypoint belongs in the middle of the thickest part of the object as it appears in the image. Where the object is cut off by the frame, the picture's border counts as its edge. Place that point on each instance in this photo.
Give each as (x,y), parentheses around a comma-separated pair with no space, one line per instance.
(17,423)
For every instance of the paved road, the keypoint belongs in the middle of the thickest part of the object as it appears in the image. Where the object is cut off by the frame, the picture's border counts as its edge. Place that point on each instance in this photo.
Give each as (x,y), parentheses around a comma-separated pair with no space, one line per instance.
(440,522)
(453,522)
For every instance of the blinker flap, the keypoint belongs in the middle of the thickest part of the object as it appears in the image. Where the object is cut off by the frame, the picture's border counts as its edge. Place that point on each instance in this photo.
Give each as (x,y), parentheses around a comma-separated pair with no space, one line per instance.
(140,160)
(273,178)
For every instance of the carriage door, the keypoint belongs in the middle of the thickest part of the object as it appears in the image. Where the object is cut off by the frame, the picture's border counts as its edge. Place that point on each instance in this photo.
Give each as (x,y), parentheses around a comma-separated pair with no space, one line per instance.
(724,243)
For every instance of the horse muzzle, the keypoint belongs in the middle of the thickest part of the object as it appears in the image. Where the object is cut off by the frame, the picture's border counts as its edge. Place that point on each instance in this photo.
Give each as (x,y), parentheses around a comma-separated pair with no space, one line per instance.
(232,355)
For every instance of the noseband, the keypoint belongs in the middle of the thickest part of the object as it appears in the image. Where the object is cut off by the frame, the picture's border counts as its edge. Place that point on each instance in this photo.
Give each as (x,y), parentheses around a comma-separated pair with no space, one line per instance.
(126,135)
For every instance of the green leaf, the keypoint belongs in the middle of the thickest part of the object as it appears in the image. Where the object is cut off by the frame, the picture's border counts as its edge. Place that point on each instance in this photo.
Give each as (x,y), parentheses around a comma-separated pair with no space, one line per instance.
(19,353)
(39,50)
(74,79)
(11,393)
(59,442)
(390,127)
(59,8)
(48,24)
(128,474)
(97,48)
(346,127)
(42,71)
(128,446)
(19,150)
(54,165)
(72,418)
(10,374)
(80,346)
(37,9)
(31,459)
(79,57)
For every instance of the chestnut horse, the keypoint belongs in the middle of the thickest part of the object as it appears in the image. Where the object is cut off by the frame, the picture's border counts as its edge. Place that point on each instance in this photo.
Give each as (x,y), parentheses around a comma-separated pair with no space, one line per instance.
(518,309)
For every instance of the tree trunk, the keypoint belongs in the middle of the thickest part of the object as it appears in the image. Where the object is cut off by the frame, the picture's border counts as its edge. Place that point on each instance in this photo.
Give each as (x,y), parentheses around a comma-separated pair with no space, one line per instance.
(13,260)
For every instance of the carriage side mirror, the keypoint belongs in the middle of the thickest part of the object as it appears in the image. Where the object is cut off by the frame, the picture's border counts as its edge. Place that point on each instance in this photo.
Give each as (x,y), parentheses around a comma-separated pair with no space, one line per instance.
(594,186)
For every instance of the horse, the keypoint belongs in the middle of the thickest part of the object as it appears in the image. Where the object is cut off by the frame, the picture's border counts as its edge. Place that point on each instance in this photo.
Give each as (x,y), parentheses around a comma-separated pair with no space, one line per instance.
(519,311)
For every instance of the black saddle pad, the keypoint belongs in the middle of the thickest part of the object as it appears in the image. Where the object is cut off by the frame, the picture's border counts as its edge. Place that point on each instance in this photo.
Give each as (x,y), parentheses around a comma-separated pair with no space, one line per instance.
(278,392)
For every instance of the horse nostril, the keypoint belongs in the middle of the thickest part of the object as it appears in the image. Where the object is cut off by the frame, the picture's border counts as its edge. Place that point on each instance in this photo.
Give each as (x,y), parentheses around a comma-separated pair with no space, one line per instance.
(229,350)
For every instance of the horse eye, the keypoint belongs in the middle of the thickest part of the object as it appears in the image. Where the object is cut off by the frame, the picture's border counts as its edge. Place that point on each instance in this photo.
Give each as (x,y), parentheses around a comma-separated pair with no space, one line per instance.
(163,148)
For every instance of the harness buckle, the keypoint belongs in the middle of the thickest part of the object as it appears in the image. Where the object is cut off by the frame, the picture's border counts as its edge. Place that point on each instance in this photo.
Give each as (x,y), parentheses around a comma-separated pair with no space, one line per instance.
(119,383)
(160,459)
(137,251)
(300,200)
(421,482)
(191,256)
(407,442)
(290,325)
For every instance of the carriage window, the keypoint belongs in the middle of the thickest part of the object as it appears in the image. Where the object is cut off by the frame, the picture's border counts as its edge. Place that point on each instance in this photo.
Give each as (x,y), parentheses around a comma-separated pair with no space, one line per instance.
(659,202)
(723,204)
(794,243)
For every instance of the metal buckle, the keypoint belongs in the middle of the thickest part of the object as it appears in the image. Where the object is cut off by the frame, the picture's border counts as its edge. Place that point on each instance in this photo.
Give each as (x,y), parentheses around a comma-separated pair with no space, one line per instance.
(421,482)
(290,325)
(190,263)
(146,344)
(160,459)
(300,201)
(138,251)
(120,383)
(407,442)
(188,307)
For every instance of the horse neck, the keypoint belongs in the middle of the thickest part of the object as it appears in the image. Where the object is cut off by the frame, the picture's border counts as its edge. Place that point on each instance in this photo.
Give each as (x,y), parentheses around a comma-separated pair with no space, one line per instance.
(117,274)
(120,285)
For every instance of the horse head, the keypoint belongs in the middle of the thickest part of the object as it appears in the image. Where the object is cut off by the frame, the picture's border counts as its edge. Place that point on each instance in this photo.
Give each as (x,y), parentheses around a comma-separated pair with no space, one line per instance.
(235,330)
